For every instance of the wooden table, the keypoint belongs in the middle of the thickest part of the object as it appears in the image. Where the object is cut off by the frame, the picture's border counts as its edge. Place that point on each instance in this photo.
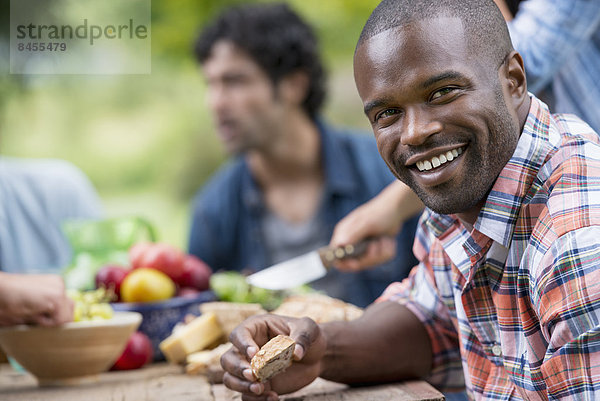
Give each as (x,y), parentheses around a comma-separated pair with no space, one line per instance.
(161,381)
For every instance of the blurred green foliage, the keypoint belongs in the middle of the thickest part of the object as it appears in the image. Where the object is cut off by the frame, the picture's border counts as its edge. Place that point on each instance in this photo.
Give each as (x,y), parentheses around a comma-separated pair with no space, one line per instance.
(146,141)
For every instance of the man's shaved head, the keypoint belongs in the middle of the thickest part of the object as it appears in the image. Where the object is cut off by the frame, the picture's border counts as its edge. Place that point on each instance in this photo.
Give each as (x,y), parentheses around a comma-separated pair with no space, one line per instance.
(483,23)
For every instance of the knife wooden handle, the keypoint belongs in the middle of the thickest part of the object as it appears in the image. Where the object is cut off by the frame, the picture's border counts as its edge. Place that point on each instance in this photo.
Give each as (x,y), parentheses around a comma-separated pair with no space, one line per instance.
(330,255)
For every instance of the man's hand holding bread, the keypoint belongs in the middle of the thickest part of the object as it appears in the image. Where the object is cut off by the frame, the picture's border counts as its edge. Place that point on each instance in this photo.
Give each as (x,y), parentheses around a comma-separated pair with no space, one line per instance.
(254,334)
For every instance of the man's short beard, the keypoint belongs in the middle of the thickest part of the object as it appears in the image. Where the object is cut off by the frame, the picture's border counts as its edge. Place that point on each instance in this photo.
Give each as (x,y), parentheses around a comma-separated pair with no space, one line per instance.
(453,205)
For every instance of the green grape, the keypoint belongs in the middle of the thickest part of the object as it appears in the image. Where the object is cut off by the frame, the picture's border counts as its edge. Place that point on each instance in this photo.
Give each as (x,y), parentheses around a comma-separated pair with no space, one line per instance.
(91,305)
(102,311)
(78,312)
(74,294)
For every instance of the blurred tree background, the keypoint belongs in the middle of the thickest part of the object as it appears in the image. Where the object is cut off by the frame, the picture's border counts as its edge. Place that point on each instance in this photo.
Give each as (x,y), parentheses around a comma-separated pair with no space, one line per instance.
(147,141)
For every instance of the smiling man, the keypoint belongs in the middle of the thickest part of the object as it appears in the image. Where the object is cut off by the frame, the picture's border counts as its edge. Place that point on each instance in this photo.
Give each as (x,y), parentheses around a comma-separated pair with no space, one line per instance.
(447,104)
(505,299)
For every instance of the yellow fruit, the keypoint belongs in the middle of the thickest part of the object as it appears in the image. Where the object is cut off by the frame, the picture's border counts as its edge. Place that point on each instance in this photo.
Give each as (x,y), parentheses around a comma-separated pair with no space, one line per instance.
(146,285)
(90,305)
(101,311)
(78,312)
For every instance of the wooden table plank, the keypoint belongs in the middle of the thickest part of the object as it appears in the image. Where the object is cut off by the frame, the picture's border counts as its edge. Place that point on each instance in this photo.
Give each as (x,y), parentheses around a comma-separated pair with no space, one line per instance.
(160,382)
(323,390)
(157,382)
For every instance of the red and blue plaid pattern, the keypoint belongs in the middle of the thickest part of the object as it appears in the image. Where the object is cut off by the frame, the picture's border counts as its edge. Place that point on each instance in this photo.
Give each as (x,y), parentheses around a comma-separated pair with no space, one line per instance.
(515,304)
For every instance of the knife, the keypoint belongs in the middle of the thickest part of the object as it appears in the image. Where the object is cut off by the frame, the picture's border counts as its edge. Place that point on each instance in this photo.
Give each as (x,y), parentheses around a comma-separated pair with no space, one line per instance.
(305,268)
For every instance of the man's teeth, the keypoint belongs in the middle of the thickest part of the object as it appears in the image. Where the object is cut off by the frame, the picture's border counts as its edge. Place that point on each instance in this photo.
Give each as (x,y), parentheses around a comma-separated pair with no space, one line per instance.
(438,160)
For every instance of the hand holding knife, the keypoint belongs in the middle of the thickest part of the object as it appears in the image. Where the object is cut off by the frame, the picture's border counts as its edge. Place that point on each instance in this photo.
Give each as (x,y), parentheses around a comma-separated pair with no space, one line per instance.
(305,268)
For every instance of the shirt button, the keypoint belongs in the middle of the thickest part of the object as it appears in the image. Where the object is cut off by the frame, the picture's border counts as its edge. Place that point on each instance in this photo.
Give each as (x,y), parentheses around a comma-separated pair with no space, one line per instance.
(497,350)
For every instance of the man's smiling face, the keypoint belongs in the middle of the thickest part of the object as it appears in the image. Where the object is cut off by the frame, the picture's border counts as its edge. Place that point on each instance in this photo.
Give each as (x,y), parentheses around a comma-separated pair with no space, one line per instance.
(437,110)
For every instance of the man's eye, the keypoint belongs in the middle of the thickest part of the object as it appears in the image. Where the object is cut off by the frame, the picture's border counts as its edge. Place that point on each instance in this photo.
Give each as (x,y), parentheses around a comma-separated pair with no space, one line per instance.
(236,81)
(386,113)
(442,92)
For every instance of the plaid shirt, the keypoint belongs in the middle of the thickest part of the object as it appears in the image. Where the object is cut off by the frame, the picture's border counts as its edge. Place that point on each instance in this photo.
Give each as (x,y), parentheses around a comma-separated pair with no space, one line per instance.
(515,304)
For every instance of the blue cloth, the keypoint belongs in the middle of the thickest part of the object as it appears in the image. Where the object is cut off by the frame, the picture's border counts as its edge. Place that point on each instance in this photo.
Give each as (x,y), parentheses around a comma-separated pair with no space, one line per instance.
(560,44)
(226,223)
(36,197)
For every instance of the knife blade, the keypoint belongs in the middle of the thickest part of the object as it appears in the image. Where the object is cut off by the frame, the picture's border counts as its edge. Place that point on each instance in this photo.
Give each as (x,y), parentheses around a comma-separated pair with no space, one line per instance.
(305,268)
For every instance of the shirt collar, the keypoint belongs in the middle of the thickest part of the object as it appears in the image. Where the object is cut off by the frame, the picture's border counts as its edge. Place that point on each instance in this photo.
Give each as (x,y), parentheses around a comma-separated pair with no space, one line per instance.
(251,195)
(497,219)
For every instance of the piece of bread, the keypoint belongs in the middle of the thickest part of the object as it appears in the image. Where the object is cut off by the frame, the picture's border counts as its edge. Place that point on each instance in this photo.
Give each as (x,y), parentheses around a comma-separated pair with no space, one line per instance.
(273,358)
(206,362)
(231,314)
(320,308)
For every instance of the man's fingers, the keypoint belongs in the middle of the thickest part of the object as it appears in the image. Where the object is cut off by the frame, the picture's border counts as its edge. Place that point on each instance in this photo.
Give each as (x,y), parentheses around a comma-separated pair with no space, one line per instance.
(243,386)
(45,320)
(353,228)
(349,230)
(368,259)
(65,311)
(256,331)
(304,331)
(46,313)
(379,251)
(243,339)
(234,363)
(383,250)
(270,396)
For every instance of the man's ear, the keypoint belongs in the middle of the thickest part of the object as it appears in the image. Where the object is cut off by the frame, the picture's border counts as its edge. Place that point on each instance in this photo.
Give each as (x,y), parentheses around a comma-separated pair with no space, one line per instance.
(293,88)
(516,83)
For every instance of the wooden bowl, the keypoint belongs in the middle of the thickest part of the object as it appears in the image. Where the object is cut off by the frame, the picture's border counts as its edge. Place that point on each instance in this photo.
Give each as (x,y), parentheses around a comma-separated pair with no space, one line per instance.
(73,353)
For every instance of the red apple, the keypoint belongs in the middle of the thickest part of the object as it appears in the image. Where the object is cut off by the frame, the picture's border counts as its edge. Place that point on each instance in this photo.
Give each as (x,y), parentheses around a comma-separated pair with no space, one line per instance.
(188,292)
(196,273)
(137,353)
(137,250)
(111,277)
(163,257)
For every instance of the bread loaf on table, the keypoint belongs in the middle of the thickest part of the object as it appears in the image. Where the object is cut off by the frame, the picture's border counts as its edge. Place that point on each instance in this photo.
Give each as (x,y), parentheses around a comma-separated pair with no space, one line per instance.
(274,357)
(230,314)
(200,362)
(319,308)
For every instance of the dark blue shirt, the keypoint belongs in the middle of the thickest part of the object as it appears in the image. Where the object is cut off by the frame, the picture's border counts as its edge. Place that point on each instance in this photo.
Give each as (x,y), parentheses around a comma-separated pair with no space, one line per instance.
(227,215)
